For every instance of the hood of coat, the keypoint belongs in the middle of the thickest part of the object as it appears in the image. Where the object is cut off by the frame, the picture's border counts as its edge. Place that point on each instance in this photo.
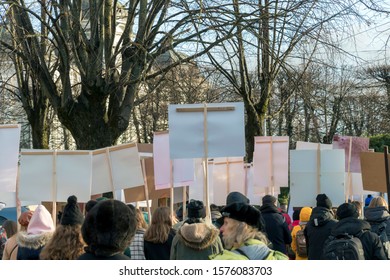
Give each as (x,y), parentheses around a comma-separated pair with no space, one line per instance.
(254,249)
(198,235)
(376,214)
(33,241)
(304,215)
(350,225)
(320,216)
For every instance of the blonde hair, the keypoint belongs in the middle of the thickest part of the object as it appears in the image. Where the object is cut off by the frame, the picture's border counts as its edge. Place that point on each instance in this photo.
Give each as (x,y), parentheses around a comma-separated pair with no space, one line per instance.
(158,231)
(241,232)
(141,223)
(65,244)
(378,201)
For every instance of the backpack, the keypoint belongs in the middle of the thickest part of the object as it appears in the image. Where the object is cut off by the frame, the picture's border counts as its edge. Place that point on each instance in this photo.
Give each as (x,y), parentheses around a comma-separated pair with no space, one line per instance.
(300,242)
(380,230)
(343,247)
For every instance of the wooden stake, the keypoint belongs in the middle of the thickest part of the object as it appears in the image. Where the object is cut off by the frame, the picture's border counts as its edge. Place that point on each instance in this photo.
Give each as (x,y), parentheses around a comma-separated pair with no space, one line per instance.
(386,151)
(271,168)
(18,204)
(349,175)
(171,189)
(108,158)
(146,189)
(227,176)
(206,181)
(54,189)
(318,168)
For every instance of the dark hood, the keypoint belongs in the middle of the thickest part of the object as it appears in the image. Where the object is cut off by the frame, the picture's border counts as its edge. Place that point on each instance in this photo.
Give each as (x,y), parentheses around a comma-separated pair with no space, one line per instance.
(268,208)
(376,214)
(320,216)
(351,226)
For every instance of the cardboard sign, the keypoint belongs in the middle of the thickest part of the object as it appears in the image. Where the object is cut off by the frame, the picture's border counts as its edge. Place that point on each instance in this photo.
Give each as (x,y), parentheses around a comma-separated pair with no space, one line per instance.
(373,171)
(206,130)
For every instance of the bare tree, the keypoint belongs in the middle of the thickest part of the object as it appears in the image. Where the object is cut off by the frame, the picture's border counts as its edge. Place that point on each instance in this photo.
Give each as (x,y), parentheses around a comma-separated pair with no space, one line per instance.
(102,52)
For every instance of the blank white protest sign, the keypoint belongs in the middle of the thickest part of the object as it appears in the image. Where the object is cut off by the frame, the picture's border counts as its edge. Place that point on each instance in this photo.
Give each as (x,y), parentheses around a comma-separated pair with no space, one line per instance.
(304,176)
(47,175)
(116,168)
(270,163)
(225,135)
(183,169)
(9,156)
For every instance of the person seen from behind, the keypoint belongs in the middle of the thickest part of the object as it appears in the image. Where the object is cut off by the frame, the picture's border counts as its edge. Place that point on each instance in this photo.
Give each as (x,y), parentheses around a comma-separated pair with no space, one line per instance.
(304,218)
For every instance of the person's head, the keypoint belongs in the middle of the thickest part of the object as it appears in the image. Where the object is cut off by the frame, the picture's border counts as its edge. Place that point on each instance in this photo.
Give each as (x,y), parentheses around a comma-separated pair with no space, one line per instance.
(65,244)
(160,226)
(296,213)
(240,224)
(347,210)
(368,200)
(323,201)
(24,219)
(195,211)
(377,202)
(88,206)
(236,197)
(72,214)
(358,206)
(269,200)
(10,227)
(305,213)
(109,228)
(141,223)
(41,222)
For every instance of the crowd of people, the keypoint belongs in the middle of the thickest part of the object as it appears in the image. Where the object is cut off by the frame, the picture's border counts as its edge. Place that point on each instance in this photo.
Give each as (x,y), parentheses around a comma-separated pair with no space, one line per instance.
(112,230)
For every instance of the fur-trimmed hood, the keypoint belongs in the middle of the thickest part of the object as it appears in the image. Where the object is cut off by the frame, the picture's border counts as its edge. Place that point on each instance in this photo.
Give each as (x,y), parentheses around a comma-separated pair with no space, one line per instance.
(198,235)
(33,241)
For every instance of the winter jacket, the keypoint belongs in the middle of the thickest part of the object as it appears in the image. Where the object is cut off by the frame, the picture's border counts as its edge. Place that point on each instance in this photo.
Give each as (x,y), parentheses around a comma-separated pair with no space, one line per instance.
(376,216)
(252,249)
(372,246)
(159,251)
(30,245)
(318,230)
(11,248)
(196,241)
(304,218)
(275,227)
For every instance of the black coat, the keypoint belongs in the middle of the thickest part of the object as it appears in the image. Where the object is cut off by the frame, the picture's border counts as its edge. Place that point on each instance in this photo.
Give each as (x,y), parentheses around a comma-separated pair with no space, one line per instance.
(90,256)
(318,230)
(159,251)
(276,227)
(372,246)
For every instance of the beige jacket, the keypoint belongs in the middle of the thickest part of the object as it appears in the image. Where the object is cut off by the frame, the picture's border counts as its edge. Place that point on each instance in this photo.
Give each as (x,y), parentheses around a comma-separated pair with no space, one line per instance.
(11,248)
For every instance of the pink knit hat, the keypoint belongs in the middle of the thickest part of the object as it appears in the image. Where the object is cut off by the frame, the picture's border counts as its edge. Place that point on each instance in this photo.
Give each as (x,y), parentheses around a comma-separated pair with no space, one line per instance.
(40,222)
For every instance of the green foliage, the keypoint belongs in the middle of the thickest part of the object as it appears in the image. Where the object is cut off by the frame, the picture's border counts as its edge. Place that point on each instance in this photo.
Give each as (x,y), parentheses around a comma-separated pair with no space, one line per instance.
(378,142)
(284,195)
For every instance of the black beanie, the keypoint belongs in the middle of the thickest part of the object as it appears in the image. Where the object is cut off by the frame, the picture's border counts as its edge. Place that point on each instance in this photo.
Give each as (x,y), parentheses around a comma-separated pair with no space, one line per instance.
(346,210)
(236,197)
(72,215)
(196,209)
(90,204)
(323,201)
(269,200)
(242,212)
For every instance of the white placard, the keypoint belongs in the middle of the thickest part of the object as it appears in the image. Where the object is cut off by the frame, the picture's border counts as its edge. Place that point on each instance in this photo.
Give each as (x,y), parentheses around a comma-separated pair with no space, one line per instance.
(126,167)
(101,181)
(9,198)
(54,176)
(36,175)
(196,188)
(228,176)
(9,156)
(74,175)
(304,177)
(182,169)
(225,130)
(312,146)
(270,163)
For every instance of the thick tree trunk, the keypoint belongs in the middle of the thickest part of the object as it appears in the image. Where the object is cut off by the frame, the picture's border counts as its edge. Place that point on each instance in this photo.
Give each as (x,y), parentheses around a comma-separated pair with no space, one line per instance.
(253,128)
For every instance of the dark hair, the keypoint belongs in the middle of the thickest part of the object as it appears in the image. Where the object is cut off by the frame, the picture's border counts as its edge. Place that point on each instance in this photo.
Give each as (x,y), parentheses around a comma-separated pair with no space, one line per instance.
(10,227)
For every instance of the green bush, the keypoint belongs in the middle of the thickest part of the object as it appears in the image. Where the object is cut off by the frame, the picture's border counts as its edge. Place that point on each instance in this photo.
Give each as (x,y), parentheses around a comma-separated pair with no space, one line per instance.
(378,142)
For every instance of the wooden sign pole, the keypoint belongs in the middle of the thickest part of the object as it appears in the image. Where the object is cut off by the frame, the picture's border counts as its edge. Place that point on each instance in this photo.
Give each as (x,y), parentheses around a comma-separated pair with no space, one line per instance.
(171,189)
(184,202)
(108,158)
(318,168)
(386,151)
(205,160)
(271,168)
(18,204)
(146,189)
(349,175)
(227,176)
(54,189)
